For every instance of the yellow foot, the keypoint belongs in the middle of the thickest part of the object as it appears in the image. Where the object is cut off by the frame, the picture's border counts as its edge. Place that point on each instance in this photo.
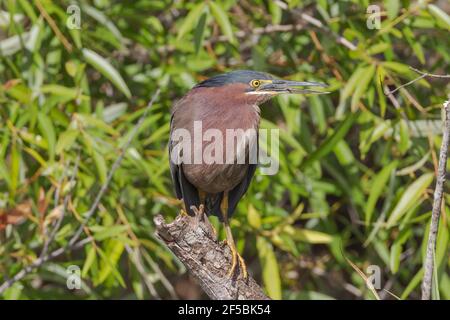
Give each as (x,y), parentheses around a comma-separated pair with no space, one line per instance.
(198,211)
(183,213)
(235,257)
(199,217)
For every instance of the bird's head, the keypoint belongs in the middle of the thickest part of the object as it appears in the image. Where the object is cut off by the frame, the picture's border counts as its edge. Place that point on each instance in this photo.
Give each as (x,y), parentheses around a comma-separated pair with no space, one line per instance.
(256,87)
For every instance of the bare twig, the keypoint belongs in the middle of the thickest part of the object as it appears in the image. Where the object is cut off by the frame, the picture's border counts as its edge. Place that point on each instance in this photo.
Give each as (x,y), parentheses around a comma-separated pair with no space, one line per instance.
(192,240)
(54,27)
(317,23)
(52,235)
(436,212)
(136,258)
(422,75)
(165,282)
(114,167)
(432,75)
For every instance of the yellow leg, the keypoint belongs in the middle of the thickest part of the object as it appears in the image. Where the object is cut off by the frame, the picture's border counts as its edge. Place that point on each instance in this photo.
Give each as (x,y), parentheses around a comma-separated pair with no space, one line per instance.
(183,210)
(235,256)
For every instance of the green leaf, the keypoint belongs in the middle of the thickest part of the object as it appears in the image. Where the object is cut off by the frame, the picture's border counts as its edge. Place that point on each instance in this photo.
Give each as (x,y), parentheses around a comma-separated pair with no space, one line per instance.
(106,69)
(66,140)
(441,16)
(91,257)
(56,89)
(415,281)
(15,168)
(409,198)
(378,48)
(392,7)
(253,217)
(114,111)
(329,144)
(190,20)
(380,91)
(317,110)
(405,141)
(275,12)
(91,121)
(222,19)
(108,265)
(101,232)
(397,248)
(397,67)
(200,32)
(376,188)
(270,272)
(103,20)
(100,164)
(363,81)
(4,173)
(36,156)
(351,84)
(344,153)
(312,236)
(48,131)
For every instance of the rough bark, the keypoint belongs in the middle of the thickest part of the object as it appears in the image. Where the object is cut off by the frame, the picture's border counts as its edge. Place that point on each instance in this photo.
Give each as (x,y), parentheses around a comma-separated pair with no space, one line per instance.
(437,205)
(193,241)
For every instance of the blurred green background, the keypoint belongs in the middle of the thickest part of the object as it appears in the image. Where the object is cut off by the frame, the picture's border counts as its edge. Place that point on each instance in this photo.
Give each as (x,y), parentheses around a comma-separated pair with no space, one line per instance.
(357,167)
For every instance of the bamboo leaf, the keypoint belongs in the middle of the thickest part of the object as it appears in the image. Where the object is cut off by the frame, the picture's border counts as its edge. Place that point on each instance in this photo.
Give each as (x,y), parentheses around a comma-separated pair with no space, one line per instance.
(105,68)
(331,141)
(441,16)
(271,274)
(376,188)
(253,217)
(222,19)
(363,81)
(409,198)
(91,258)
(48,131)
(200,32)
(190,20)
(100,164)
(66,140)
(312,236)
(108,265)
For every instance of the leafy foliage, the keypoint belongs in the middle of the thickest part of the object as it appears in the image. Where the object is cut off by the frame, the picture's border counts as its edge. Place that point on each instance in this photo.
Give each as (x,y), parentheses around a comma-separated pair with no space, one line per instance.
(356,166)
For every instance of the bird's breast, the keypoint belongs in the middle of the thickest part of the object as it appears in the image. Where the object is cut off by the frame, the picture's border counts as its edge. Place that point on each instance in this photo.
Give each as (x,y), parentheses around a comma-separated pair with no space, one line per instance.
(223,141)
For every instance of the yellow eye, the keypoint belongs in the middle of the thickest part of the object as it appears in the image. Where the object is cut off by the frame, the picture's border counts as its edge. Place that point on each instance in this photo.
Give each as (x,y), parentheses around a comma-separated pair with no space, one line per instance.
(255,83)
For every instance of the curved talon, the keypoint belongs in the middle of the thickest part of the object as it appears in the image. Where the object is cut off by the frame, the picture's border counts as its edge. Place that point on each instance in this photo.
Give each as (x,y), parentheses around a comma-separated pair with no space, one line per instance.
(234,255)
(198,211)
(243,267)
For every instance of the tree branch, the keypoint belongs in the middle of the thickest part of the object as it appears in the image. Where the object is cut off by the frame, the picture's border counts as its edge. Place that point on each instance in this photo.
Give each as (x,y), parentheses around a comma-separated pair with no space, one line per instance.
(422,75)
(437,204)
(193,241)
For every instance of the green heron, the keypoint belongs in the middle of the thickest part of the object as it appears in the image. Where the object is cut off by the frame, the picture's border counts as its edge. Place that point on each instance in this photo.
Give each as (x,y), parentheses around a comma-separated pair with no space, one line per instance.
(226,101)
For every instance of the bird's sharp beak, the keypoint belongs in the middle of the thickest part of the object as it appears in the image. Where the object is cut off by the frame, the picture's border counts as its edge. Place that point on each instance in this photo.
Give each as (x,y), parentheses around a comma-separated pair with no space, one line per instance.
(293,87)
